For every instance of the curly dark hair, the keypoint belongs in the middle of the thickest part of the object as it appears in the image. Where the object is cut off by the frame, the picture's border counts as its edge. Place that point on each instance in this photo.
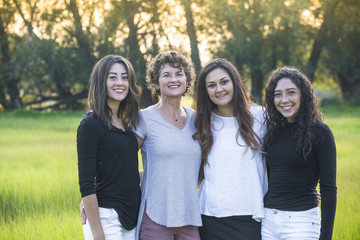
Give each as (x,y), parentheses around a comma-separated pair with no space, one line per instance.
(175,60)
(241,107)
(304,122)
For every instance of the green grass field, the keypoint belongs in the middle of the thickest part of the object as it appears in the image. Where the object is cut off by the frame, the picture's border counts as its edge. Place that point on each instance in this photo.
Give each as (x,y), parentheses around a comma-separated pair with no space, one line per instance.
(39,193)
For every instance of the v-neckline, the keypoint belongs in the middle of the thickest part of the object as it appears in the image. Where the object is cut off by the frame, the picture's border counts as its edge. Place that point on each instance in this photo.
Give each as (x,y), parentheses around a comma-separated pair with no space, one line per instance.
(167,121)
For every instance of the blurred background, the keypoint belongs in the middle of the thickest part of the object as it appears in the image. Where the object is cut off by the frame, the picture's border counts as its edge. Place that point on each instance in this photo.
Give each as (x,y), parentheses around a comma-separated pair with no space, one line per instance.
(48,47)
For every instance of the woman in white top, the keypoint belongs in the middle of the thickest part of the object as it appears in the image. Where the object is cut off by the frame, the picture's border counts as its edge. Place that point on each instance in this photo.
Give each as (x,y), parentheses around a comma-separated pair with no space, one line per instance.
(229,129)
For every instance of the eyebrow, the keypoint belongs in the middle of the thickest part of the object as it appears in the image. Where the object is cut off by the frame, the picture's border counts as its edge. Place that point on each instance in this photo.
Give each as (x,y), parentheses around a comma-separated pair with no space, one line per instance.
(180,70)
(285,89)
(220,79)
(125,73)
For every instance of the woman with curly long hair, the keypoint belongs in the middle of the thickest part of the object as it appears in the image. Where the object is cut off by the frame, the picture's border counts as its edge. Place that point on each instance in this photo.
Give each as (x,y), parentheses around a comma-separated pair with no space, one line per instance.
(300,151)
(229,129)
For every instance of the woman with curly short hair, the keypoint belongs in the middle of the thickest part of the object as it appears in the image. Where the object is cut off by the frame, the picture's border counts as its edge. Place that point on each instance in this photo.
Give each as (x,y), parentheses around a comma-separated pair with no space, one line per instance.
(171,157)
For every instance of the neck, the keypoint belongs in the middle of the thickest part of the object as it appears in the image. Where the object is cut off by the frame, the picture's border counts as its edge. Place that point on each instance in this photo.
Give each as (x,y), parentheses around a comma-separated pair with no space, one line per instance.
(172,111)
(224,111)
(170,105)
(114,106)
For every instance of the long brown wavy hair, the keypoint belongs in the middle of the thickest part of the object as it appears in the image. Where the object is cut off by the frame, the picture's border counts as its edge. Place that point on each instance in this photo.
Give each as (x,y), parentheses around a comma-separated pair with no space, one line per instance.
(241,107)
(128,109)
(308,116)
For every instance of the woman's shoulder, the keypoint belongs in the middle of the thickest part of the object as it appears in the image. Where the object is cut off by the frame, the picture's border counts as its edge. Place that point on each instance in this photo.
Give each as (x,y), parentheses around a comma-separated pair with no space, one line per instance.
(322,128)
(258,112)
(90,120)
(189,110)
(148,110)
(89,117)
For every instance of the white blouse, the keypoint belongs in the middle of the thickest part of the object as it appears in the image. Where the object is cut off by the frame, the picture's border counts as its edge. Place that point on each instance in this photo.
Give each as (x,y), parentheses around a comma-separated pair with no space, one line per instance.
(235,176)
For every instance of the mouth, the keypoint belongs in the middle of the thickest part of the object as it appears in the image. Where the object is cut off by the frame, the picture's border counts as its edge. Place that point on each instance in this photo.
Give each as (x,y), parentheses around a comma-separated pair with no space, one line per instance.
(174,86)
(287,108)
(221,96)
(119,90)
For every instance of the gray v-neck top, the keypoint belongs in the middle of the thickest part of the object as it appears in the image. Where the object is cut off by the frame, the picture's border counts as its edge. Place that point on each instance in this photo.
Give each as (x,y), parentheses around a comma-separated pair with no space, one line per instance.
(171,161)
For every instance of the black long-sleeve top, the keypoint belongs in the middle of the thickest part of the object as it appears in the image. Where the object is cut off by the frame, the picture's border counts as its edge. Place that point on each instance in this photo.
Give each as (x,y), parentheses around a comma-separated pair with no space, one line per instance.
(108,167)
(293,180)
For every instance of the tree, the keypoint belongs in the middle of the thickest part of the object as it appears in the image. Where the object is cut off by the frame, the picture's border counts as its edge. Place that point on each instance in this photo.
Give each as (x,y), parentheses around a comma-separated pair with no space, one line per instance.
(320,37)
(342,56)
(252,33)
(9,89)
(190,27)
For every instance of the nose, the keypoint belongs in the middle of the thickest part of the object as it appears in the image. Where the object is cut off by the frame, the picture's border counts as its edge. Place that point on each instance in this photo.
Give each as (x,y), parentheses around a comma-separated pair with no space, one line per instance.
(173,78)
(119,81)
(284,98)
(218,88)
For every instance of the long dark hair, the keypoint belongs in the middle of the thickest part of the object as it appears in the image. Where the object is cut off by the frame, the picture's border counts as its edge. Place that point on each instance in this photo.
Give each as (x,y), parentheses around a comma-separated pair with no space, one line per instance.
(128,109)
(241,107)
(308,116)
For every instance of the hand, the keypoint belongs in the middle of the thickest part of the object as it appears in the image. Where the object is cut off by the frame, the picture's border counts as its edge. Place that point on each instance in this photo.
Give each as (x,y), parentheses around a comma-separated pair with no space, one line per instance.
(318,196)
(82,213)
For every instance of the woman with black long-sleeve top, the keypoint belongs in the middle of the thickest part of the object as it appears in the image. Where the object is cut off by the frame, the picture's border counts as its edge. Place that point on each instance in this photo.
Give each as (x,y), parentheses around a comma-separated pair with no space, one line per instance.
(300,153)
(107,152)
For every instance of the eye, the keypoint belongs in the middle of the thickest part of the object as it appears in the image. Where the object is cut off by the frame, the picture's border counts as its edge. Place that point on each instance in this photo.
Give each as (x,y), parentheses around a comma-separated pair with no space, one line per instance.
(291,92)
(211,85)
(125,77)
(224,82)
(277,94)
(112,77)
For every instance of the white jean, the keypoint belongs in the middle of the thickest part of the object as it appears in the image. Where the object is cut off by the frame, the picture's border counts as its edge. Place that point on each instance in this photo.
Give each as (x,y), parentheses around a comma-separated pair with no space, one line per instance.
(111,225)
(294,225)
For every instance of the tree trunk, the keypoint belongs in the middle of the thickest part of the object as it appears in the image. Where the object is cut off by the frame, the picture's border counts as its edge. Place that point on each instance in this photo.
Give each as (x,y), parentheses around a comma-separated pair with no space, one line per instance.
(8,80)
(319,41)
(256,82)
(81,38)
(136,58)
(350,89)
(192,36)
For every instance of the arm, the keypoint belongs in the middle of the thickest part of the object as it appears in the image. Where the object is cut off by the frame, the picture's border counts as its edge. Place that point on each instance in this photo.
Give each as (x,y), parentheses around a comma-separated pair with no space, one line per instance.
(87,146)
(141,173)
(82,213)
(139,140)
(140,130)
(140,143)
(92,211)
(326,154)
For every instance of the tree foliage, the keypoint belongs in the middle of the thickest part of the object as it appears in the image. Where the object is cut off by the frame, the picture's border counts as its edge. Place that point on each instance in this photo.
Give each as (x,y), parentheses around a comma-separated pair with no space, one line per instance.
(49,47)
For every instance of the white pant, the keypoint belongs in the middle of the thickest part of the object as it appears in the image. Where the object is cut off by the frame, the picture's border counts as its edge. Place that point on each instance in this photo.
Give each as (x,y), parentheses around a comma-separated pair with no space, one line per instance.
(111,225)
(294,225)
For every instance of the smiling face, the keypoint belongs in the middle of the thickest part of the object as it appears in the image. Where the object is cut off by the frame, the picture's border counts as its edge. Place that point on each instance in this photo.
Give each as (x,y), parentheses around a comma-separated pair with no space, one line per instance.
(172,81)
(117,84)
(220,89)
(287,98)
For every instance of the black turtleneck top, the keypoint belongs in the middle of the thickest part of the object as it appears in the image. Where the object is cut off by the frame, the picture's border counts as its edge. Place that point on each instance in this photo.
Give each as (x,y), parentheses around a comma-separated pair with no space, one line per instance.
(293,180)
